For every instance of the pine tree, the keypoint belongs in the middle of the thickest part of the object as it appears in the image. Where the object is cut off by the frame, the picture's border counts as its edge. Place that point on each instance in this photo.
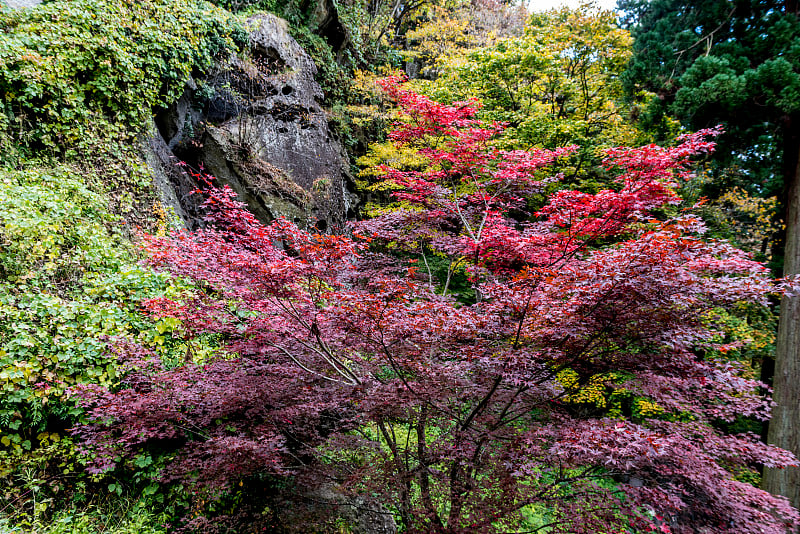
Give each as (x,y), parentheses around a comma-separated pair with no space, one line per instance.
(738,63)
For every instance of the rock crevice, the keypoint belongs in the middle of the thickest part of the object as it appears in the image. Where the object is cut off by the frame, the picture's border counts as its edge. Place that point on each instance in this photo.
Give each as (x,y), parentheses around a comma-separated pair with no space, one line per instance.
(256,124)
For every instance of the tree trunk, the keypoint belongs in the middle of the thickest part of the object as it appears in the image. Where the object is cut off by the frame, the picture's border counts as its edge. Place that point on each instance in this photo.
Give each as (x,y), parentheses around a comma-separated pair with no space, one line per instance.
(784,428)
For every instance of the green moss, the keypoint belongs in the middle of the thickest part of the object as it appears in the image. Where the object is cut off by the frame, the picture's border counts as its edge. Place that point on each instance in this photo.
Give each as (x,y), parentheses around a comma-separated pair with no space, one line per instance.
(334,78)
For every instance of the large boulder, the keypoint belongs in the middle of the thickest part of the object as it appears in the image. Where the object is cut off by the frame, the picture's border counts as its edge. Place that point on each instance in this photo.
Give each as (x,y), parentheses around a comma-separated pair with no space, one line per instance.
(312,510)
(257,124)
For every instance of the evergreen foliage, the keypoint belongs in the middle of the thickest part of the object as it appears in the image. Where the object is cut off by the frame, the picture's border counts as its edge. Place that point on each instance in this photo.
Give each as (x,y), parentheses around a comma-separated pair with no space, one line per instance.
(714,62)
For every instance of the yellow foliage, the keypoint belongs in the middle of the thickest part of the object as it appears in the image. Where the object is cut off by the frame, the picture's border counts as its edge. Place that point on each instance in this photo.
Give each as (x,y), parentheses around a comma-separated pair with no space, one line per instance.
(443,35)
(364,87)
(751,219)
(557,84)
(648,408)
(597,393)
(389,154)
(594,392)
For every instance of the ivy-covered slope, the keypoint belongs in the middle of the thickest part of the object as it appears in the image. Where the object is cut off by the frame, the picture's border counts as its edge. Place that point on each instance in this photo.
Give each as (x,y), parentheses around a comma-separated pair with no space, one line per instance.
(79,81)
(71,71)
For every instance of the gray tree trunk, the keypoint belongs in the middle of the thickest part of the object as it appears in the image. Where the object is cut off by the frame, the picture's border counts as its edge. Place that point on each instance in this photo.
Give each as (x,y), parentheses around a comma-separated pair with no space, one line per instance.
(784,428)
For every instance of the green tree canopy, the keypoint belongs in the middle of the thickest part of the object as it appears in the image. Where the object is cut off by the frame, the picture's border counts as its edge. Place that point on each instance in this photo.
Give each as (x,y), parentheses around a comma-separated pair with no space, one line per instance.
(555,85)
(717,61)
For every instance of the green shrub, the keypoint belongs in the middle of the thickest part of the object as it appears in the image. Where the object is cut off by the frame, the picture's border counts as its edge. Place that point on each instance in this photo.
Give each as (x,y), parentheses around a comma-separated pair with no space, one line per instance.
(68,281)
(125,516)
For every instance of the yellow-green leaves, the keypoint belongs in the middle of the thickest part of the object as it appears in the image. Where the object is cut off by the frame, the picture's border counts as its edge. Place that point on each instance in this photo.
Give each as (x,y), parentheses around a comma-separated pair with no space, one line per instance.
(555,85)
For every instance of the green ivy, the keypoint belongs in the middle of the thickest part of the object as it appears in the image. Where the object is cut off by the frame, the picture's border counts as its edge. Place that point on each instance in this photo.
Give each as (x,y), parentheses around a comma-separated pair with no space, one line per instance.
(71,65)
(79,81)
(68,281)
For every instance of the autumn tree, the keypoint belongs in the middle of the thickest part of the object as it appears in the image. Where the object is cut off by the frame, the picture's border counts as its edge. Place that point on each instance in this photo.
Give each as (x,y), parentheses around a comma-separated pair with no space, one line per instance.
(736,63)
(555,85)
(347,365)
(453,30)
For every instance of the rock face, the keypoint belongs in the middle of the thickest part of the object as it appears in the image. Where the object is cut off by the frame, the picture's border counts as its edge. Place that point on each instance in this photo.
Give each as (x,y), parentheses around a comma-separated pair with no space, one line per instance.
(256,123)
(361,516)
(325,17)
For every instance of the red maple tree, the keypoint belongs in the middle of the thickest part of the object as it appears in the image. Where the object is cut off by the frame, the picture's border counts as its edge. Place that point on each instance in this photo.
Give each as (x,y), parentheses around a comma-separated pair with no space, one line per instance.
(344,364)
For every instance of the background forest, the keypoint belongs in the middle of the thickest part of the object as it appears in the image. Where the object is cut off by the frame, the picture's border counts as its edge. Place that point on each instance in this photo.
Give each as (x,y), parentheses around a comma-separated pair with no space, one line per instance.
(544,295)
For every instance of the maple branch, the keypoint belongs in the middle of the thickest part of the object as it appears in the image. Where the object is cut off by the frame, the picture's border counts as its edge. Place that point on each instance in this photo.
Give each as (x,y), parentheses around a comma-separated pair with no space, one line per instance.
(424,481)
(482,404)
(427,267)
(303,367)
(451,268)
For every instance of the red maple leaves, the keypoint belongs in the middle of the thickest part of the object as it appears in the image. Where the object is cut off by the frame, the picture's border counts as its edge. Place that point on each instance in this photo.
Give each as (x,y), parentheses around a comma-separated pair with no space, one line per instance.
(343,363)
